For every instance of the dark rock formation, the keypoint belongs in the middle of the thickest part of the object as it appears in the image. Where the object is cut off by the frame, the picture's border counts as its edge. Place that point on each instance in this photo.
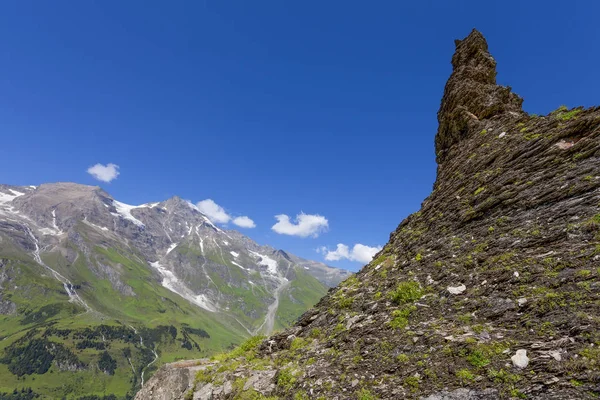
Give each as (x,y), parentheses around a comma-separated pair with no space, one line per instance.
(490,291)
(471,93)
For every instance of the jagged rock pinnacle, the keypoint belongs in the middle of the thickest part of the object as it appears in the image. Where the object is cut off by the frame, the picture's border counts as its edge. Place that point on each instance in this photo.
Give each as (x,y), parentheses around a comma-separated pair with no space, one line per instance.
(471,93)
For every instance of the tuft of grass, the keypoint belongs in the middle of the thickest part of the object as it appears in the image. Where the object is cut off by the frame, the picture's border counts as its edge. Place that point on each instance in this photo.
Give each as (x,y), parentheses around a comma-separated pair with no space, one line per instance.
(406,292)
(567,115)
(412,382)
(479,190)
(400,320)
(365,394)
(465,375)
(478,359)
(286,378)
(402,358)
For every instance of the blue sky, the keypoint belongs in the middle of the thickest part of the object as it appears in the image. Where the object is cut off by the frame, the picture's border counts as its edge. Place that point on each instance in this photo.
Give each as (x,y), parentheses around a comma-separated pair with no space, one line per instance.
(267,107)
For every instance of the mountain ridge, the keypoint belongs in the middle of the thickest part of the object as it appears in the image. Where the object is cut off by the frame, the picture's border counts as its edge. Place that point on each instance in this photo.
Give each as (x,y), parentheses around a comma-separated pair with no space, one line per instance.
(86,279)
(489,291)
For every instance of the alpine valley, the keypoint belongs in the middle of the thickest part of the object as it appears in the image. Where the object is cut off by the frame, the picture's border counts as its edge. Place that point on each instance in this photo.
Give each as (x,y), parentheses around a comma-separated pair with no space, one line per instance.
(96,294)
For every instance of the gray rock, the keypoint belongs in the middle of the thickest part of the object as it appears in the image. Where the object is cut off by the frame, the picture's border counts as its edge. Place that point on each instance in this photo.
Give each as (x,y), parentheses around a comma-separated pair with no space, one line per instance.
(465,394)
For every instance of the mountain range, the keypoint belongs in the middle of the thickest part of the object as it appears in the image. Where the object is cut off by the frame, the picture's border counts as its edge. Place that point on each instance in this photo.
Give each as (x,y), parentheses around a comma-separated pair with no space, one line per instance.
(95,294)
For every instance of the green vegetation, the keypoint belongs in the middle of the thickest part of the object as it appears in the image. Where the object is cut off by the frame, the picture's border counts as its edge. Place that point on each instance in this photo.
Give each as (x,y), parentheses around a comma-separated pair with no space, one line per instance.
(57,349)
(365,394)
(247,349)
(406,292)
(479,190)
(402,358)
(400,317)
(465,375)
(478,359)
(303,292)
(286,378)
(412,382)
(565,115)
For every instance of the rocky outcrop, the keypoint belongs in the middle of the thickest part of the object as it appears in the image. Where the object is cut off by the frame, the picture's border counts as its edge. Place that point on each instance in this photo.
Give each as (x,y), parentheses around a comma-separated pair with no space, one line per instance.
(471,93)
(490,291)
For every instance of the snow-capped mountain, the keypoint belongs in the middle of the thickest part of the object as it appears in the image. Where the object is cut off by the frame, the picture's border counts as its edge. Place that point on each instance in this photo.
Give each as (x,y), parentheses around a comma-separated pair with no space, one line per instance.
(221,271)
(90,285)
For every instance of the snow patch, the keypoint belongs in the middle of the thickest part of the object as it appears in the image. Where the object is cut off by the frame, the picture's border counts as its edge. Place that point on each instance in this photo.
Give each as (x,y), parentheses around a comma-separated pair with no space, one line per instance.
(267,262)
(172,247)
(7,198)
(233,253)
(124,210)
(225,242)
(102,228)
(148,205)
(49,232)
(56,228)
(171,282)
(234,263)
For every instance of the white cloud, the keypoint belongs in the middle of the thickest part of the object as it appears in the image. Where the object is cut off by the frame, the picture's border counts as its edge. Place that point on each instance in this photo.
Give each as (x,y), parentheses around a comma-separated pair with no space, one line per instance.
(304,226)
(104,173)
(212,210)
(244,222)
(217,214)
(359,253)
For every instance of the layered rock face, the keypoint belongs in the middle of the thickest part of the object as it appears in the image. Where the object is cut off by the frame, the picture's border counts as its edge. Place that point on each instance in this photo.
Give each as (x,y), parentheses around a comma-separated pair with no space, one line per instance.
(490,291)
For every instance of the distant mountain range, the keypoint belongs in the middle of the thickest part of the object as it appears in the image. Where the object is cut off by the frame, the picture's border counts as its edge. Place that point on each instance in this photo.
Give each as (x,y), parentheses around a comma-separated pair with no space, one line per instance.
(94,286)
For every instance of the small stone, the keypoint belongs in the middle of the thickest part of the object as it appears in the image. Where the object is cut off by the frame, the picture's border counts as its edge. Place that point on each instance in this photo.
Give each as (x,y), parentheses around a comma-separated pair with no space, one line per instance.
(502,135)
(516,274)
(457,289)
(521,301)
(354,383)
(520,359)
(556,355)
(227,388)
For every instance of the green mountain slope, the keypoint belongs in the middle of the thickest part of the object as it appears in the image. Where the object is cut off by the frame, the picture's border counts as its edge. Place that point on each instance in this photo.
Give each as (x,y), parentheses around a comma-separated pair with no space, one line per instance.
(96,295)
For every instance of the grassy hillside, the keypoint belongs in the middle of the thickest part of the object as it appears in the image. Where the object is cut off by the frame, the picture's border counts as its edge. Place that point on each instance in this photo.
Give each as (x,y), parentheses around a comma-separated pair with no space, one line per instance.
(59,350)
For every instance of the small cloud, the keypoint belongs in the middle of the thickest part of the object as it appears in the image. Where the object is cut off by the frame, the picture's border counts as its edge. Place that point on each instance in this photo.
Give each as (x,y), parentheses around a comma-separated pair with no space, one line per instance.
(244,222)
(359,253)
(217,214)
(212,210)
(104,173)
(305,225)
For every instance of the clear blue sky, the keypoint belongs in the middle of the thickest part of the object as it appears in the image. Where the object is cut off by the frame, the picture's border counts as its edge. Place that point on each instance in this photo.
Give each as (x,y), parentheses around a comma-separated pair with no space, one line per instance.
(267,107)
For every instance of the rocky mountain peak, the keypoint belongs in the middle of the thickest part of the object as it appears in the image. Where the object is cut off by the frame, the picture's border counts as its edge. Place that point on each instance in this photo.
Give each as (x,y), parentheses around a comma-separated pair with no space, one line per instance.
(489,291)
(471,93)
